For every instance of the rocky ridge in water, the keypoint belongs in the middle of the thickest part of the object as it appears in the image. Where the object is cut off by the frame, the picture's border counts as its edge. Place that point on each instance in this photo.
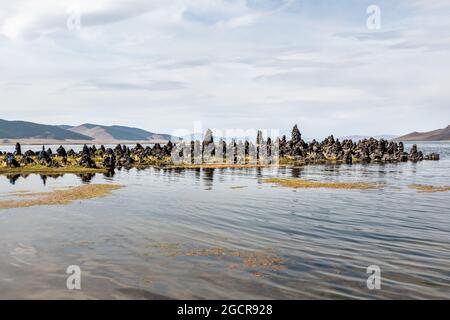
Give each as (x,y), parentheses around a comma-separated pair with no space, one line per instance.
(293,151)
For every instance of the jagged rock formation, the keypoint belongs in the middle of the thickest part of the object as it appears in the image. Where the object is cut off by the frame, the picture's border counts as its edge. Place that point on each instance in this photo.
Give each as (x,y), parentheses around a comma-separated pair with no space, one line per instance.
(61,152)
(265,151)
(11,162)
(18,151)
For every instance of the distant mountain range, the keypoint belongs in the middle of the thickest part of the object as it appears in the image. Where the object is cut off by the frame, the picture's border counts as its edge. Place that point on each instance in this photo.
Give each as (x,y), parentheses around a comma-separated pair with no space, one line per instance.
(378,137)
(29,132)
(435,135)
(121,133)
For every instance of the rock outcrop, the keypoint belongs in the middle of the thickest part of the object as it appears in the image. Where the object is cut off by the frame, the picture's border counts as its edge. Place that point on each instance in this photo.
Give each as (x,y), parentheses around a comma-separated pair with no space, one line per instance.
(264,151)
(11,161)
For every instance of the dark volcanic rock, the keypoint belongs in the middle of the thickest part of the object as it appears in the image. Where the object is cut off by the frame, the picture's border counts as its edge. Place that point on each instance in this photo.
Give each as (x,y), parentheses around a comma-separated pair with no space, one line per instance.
(208,147)
(86,161)
(18,151)
(147,152)
(157,151)
(432,156)
(29,153)
(11,161)
(86,151)
(71,153)
(118,150)
(44,158)
(109,161)
(296,136)
(414,154)
(169,147)
(26,161)
(296,149)
(284,147)
(129,161)
(269,147)
(61,152)
(296,145)
(125,161)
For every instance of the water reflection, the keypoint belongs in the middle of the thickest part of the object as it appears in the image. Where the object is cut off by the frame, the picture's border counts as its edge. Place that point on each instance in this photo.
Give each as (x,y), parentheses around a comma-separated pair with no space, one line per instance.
(208,178)
(84,177)
(109,174)
(259,172)
(12,178)
(197,174)
(45,177)
(296,172)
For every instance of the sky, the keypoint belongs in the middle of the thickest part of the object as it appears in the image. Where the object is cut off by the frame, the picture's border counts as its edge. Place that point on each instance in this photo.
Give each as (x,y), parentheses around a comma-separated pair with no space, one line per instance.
(164,65)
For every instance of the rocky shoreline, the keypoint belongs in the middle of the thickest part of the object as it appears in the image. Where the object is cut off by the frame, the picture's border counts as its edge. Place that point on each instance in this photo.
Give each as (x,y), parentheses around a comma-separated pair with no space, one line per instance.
(209,152)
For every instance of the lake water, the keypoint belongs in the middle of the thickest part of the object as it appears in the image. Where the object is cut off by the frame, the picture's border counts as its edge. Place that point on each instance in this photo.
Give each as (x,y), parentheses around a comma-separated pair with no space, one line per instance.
(223,233)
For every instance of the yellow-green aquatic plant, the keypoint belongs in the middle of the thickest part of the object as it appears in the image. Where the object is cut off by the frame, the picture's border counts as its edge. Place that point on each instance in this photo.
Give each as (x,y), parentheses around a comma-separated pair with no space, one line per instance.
(299,183)
(61,196)
(429,188)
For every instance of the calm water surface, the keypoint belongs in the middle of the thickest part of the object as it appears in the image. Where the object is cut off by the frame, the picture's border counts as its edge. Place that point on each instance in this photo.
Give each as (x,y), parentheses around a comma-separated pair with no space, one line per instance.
(222,233)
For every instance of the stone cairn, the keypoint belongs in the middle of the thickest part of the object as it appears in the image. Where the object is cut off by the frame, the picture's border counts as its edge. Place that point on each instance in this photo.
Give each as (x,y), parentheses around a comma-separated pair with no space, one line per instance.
(295,150)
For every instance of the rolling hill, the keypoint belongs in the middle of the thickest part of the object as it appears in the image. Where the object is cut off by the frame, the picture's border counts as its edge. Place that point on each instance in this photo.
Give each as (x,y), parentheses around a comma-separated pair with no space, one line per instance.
(120,133)
(34,133)
(435,135)
(30,130)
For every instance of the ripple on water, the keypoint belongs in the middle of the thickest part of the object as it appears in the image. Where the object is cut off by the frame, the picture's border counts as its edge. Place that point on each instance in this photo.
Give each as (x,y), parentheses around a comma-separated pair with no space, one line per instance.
(324,239)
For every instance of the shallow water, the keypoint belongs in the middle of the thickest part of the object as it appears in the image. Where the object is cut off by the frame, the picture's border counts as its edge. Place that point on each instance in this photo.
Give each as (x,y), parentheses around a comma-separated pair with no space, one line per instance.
(222,233)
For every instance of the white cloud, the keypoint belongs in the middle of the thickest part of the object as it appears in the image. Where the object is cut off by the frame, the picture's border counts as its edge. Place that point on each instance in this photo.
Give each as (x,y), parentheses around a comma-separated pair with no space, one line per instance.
(230,63)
